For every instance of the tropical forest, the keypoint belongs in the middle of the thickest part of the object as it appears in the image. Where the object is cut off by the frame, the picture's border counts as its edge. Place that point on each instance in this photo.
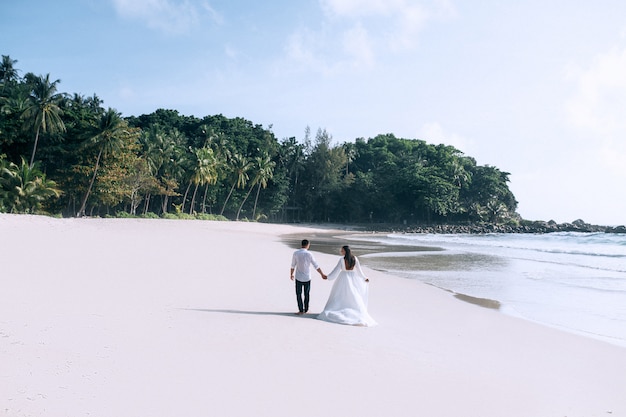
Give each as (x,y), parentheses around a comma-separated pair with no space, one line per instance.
(66,154)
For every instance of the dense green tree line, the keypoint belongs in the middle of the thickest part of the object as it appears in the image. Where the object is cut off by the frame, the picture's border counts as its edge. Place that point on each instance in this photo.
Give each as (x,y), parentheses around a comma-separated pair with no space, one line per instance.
(67,154)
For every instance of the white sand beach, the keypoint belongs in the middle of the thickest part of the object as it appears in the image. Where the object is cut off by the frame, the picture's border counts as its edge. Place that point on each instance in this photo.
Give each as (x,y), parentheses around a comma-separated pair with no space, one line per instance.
(129,317)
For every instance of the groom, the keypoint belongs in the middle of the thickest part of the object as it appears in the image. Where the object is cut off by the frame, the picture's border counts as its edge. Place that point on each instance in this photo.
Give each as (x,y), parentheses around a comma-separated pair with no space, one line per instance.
(301,262)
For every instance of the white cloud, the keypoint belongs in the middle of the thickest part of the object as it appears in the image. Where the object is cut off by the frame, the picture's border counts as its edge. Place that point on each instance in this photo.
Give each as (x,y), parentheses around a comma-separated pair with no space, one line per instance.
(363,8)
(213,14)
(170,16)
(231,52)
(356,44)
(366,29)
(409,22)
(611,155)
(329,53)
(597,107)
(434,133)
(127,93)
(359,8)
(600,95)
(304,47)
(403,19)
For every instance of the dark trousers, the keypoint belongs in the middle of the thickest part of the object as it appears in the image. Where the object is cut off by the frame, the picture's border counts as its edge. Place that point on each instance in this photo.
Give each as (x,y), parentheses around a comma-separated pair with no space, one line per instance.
(307,288)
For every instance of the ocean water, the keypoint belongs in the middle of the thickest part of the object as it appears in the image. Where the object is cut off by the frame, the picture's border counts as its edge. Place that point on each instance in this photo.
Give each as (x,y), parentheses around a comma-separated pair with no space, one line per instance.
(572,281)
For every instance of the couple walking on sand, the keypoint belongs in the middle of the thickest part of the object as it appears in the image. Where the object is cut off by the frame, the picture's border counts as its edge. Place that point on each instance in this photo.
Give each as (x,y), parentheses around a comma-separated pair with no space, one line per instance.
(347,302)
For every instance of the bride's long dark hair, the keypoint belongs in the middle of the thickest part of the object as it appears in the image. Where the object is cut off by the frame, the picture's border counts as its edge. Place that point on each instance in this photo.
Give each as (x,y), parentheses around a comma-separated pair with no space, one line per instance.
(348,257)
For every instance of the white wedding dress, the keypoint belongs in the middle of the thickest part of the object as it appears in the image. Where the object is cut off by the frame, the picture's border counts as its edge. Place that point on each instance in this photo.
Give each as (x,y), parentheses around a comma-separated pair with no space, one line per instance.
(347,303)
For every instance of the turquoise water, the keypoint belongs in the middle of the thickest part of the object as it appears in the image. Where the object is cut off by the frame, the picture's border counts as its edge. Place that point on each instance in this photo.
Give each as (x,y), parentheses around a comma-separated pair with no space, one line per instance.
(572,281)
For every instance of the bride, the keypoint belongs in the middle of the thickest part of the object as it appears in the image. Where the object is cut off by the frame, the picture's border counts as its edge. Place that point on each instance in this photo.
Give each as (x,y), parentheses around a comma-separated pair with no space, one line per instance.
(347,303)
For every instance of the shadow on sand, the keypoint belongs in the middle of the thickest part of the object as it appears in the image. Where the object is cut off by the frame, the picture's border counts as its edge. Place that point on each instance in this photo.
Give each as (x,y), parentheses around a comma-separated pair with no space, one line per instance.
(253,313)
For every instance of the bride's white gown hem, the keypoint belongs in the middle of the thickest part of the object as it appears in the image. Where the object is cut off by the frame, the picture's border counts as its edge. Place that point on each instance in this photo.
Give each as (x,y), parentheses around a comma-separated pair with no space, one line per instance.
(347,302)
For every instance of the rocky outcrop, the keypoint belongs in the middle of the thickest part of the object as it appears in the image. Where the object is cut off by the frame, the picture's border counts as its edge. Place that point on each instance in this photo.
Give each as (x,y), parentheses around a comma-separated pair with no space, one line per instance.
(618,229)
(525,226)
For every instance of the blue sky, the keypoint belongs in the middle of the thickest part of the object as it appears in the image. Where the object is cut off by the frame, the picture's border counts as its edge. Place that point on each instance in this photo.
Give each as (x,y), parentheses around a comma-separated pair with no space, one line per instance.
(536,88)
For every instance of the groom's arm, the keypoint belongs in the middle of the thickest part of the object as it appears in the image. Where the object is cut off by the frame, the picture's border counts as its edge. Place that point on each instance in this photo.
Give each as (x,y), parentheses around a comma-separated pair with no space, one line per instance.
(316,266)
(321,273)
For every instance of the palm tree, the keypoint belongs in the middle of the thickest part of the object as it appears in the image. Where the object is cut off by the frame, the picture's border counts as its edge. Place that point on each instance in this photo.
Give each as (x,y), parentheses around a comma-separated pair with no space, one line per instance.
(292,157)
(218,142)
(496,211)
(24,188)
(157,151)
(154,143)
(351,154)
(43,114)
(220,145)
(80,113)
(14,104)
(205,171)
(8,73)
(240,166)
(460,175)
(166,157)
(108,137)
(264,172)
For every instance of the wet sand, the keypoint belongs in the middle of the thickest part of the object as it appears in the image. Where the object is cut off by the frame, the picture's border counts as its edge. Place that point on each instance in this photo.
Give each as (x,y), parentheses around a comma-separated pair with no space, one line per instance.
(396,258)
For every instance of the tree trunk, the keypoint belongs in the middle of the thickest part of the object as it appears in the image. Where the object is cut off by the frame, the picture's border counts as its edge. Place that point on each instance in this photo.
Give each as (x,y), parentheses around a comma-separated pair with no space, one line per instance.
(244,201)
(32,157)
(182,208)
(134,201)
(256,200)
(81,212)
(193,199)
(164,205)
(147,205)
(206,190)
(227,198)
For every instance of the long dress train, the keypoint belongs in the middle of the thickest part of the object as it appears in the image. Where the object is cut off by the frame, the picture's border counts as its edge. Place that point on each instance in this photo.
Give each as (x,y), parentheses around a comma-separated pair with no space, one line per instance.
(347,302)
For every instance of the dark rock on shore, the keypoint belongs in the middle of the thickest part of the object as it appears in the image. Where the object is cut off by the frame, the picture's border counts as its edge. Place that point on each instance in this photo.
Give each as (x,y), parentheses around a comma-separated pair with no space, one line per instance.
(525,226)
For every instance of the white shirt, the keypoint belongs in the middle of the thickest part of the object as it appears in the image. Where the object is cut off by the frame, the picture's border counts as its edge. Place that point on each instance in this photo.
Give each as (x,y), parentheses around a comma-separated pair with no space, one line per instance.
(301,261)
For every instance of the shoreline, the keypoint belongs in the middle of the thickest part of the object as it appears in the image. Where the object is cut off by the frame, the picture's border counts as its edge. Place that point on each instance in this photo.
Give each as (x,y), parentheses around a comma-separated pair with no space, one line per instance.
(525,227)
(104,316)
(427,263)
(329,243)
